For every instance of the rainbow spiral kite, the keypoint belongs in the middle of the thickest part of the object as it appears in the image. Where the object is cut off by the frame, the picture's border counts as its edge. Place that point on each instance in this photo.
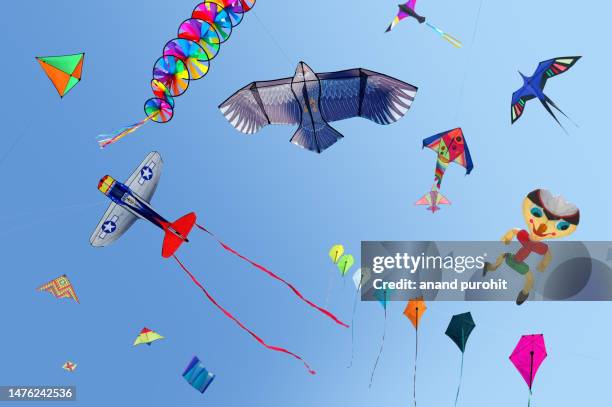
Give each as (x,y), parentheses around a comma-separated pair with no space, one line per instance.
(187,58)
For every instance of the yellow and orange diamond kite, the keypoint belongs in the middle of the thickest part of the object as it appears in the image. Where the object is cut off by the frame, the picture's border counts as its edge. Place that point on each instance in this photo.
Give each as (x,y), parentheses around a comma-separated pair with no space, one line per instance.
(69,366)
(61,287)
(63,70)
(147,336)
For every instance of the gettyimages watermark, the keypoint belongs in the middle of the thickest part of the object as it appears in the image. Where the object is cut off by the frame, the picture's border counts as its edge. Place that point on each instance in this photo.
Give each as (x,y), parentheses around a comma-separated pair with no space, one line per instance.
(486,271)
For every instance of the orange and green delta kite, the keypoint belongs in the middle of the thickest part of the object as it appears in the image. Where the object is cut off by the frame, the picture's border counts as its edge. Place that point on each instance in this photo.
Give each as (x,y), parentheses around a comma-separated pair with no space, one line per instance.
(64,71)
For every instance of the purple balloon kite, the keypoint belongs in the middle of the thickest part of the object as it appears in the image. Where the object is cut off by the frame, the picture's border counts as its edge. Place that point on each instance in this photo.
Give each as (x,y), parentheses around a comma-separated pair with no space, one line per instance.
(528,355)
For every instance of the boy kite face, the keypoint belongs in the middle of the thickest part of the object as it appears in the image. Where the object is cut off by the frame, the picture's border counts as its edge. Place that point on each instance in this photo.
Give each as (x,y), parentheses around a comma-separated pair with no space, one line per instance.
(548,216)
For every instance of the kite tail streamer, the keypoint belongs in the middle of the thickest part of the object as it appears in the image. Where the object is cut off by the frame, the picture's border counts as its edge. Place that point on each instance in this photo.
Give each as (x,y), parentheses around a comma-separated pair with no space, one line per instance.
(353,329)
(460,377)
(382,343)
(119,134)
(453,41)
(276,277)
(240,324)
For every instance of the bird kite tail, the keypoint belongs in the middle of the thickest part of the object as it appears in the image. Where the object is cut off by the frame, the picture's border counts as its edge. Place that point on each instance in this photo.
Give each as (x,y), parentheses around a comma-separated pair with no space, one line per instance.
(382,344)
(545,102)
(276,277)
(237,321)
(560,111)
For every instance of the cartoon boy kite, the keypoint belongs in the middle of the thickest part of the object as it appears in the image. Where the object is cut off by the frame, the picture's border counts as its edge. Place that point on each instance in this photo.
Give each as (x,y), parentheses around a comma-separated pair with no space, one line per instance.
(547,217)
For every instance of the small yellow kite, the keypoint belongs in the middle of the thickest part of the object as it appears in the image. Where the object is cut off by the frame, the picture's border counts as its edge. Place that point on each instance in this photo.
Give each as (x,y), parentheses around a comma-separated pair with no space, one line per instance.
(147,336)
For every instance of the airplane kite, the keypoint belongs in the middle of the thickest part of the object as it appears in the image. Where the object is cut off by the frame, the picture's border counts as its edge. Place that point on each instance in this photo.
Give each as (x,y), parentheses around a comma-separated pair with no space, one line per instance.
(147,336)
(197,375)
(186,58)
(131,201)
(408,10)
(451,147)
(533,87)
(528,355)
(415,308)
(64,71)
(60,287)
(69,366)
(313,100)
(459,329)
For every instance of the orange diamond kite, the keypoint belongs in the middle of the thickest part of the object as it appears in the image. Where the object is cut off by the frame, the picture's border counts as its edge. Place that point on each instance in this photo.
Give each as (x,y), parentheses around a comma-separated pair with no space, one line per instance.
(414,310)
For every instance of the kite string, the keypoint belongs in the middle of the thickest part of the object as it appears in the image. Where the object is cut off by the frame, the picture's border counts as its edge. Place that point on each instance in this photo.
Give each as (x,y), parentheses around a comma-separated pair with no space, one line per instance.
(240,324)
(274,276)
(460,378)
(273,39)
(382,343)
(416,355)
(465,73)
(353,329)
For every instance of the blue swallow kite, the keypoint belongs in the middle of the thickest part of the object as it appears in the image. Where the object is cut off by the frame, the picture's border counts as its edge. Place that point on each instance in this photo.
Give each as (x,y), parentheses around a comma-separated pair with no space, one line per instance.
(533,87)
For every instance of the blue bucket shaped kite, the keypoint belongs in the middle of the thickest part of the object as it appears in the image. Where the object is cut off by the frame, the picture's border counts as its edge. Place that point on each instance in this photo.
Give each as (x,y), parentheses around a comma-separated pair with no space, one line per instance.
(197,375)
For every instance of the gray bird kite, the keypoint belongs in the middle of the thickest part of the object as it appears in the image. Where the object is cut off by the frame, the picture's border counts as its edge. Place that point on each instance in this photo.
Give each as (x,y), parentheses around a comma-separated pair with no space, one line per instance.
(312,100)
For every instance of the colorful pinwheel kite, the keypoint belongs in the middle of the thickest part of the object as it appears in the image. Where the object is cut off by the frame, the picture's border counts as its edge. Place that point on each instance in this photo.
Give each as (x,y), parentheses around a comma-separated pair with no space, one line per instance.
(528,355)
(186,58)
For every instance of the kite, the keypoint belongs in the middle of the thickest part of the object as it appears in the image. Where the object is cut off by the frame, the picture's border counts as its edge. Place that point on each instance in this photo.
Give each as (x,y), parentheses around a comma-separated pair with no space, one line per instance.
(313,100)
(414,311)
(528,355)
(60,287)
(186,58)
(64,71)
(69,366)
(533,87)
(383,297)
(197,375)
(459,329)
(360,276)
(451,147)
(335,252)
(345,263)
(408,10)
(130,201)
(147,336)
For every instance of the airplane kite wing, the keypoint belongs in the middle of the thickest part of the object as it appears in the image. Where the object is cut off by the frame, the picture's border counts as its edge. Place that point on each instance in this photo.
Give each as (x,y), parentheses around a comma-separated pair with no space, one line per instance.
(144,180)
(115,222)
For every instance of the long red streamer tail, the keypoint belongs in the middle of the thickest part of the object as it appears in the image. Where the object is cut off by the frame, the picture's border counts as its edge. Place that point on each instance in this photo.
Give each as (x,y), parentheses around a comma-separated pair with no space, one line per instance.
(240,324)
(276,277)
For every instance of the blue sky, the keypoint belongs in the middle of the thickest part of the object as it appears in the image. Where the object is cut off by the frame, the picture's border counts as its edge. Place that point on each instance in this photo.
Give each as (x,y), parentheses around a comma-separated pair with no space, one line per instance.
(285,207)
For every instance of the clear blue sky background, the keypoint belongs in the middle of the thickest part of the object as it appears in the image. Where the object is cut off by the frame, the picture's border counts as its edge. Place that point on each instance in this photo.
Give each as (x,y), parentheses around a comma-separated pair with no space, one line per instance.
(285,207)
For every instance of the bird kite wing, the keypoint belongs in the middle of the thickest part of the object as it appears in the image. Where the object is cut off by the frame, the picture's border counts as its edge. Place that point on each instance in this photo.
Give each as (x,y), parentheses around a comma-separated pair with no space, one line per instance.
(553,67)
(261,103)
(363,93)
(115,222)
(519,99)
(145,178)
(401,14)
(451,146)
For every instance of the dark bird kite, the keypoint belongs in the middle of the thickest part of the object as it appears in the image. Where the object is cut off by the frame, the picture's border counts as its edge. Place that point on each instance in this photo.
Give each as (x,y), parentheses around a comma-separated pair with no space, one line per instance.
(533,87)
